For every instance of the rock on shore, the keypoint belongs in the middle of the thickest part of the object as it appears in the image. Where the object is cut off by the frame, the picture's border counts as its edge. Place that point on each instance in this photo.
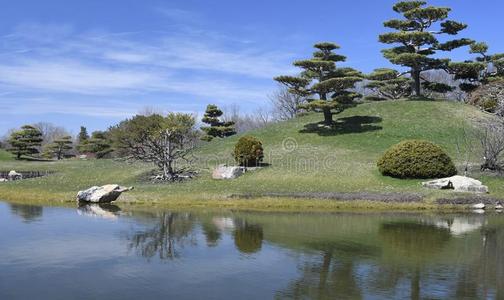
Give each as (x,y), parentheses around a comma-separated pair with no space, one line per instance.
(102,194)
(458,184)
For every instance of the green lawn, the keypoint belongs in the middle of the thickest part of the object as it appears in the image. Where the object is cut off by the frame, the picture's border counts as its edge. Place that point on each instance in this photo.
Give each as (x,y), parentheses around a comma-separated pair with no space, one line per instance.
(302,158)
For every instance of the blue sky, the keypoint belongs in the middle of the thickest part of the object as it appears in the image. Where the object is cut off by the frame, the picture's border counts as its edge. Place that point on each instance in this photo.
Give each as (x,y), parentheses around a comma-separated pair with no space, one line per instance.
(95,62)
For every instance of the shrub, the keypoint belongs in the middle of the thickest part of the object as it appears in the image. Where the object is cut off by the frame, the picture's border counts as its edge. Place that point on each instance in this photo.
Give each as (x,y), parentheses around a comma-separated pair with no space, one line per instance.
(248,151)
(416,159)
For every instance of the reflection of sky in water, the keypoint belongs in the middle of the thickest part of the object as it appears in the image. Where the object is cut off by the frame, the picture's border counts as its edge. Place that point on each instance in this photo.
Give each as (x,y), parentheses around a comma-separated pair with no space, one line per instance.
(104,252)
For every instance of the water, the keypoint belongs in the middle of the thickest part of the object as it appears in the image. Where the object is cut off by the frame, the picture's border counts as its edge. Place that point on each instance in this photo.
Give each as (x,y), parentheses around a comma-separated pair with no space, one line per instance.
(106,252)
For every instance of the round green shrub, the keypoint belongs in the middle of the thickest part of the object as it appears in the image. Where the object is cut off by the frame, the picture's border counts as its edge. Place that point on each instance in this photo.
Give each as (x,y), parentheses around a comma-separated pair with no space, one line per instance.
(416,159)
(248,151)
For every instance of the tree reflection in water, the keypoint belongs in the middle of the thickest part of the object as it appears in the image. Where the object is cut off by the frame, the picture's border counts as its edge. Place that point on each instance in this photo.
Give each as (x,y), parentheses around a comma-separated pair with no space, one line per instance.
(212,233)
(28,213)
(172,232)
(248,237)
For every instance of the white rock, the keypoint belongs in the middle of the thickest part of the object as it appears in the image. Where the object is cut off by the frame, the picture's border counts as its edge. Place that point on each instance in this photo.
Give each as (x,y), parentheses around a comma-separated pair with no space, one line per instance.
(458,184)
(13,175)
(225,172)
(498,206)
(102,194)
(479,206)
(3,180)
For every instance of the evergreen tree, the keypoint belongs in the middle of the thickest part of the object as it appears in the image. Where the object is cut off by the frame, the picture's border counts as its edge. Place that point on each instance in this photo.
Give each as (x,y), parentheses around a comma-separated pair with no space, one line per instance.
(99,144)
(216,128)
(321,78)
(418,40)
(59,147)
(25,141)
(387,84)
(482,70)
(83,135)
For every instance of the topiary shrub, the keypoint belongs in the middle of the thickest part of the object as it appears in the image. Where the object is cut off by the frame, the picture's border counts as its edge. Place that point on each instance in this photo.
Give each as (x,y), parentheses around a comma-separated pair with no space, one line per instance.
(416,159)
(248,151)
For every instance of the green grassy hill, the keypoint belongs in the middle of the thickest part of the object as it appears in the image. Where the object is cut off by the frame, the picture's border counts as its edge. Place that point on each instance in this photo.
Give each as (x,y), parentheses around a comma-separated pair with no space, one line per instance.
(5,156)
(302,157)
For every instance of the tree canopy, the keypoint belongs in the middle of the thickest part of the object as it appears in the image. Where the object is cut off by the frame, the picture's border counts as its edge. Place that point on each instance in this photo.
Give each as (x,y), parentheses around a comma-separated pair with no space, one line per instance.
(216,128)
(321,78)
(163,141)
(59,147)
(25,141)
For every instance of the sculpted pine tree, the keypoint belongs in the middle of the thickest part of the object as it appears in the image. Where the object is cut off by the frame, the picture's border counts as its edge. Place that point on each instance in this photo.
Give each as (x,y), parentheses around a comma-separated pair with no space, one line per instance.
(387,84)
(417,36)
(321,78)
(59,147)
(216,128)
(25,141)
(484,69)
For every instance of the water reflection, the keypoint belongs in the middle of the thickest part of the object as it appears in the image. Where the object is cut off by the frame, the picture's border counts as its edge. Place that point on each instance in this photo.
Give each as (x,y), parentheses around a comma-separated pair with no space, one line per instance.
(295,256)
(28,213)
(248,238)
(171,233)
(102,210)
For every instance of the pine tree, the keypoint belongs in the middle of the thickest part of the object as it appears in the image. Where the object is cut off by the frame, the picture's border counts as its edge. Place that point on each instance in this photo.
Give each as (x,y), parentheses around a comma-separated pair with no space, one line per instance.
(25,141)
(99,144)
(480,71)
(83,135)
(216,128)
(59,147)
(418,40)
(387,84)
(321,78)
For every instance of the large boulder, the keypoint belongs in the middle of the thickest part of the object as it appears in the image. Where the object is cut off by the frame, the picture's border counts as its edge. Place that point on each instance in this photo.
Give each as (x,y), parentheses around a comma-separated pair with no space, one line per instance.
(458,184)
(102,194)
(225,172)
(13,175)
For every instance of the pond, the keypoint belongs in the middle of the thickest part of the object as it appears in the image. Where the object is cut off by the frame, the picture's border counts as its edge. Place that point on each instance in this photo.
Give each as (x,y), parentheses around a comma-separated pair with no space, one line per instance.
(108,252)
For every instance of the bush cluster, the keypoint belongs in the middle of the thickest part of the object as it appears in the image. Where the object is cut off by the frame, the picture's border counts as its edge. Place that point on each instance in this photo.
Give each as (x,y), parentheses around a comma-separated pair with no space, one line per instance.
(248,151)
(416,159)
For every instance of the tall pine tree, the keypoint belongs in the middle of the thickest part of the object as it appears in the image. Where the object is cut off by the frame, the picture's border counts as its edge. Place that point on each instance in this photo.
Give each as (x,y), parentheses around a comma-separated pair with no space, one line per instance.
(322,79)
(26,141)
(417,38)
(216,127)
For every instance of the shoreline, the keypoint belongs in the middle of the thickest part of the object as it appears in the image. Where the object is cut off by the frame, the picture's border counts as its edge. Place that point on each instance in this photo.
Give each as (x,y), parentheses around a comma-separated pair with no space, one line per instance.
(280,202)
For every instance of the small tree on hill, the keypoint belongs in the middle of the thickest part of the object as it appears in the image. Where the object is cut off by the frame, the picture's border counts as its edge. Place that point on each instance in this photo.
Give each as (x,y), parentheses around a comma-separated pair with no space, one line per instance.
(216,128)
(387,84)
(418,40)
(26,141)
(320,77)
(59,147)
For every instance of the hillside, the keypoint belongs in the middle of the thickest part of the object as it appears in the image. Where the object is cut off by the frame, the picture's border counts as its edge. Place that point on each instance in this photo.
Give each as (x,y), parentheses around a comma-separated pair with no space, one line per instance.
(5,156)
(301,158)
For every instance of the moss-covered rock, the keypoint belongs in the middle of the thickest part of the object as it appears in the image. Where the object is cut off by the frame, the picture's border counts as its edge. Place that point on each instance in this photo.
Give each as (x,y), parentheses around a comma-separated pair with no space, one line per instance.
(416,159)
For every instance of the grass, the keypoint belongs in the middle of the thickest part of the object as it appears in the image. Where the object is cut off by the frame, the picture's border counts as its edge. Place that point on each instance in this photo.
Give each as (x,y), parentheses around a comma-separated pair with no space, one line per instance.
(303,158)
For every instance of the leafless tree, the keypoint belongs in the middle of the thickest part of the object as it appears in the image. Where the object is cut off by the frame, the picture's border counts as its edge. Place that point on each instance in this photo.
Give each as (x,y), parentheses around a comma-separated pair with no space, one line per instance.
(464,144)
(286,104)
(491,138)
(50,132)
(149,110)
(260,118)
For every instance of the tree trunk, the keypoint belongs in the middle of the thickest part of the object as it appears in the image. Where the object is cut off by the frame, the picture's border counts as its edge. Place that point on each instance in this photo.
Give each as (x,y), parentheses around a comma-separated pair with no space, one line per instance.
(417,84)
(327,116)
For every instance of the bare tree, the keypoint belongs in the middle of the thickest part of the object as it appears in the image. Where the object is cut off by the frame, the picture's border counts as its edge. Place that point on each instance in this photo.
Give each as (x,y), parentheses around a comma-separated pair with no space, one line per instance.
(286,104)
(260,118)
(50,132)
(464,144)
(491,138)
